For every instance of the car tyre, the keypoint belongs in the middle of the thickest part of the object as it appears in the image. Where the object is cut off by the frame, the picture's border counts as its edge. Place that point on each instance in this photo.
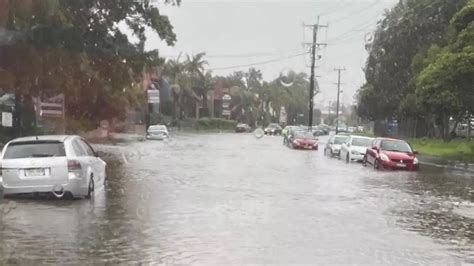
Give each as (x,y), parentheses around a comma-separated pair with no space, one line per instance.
(376,164)
(364,161)
(348,160)
(91,188)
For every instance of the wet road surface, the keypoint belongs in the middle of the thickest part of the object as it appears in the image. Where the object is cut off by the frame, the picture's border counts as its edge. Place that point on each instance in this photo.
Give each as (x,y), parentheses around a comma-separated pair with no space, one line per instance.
(235,199)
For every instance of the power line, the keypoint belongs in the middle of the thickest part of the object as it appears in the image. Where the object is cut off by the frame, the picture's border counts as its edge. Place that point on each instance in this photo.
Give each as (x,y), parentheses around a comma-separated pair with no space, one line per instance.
(358,28)
(244,55)
(259,63)
(357,12)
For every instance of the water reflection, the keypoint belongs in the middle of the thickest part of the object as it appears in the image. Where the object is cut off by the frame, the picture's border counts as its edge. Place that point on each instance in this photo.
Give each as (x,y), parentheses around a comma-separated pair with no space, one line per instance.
(434,203)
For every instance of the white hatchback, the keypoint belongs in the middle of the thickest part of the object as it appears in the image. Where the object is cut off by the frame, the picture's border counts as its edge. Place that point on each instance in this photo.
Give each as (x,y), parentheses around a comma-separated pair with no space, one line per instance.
(61,165)
(354,148)
(157,132)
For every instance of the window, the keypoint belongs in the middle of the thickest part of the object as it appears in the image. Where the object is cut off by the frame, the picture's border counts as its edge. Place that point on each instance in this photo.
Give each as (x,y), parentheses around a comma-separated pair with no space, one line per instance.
(87,148)
(78,149)
(34,149)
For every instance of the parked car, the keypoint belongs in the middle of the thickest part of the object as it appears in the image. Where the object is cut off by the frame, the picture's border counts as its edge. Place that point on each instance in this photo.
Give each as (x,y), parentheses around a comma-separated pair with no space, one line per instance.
(273,129)
(317,131)
(325,128)
(391,154)
(333,146)
(157,132)
(299,139)
(61,165)
(243,128)
(354,148)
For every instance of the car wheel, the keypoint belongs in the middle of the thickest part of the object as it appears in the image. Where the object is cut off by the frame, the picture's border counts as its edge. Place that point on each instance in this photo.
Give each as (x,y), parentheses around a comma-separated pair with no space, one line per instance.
(91,188)
(364,161)
(376,164)
(348,160)
(339,156)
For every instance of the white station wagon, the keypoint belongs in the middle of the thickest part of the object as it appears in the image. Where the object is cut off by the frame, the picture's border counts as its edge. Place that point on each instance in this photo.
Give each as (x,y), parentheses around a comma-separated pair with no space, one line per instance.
(61,165)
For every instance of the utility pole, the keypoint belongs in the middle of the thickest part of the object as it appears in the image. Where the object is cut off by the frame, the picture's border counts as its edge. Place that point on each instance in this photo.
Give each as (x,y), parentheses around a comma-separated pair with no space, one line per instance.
(339,70)
(314,46)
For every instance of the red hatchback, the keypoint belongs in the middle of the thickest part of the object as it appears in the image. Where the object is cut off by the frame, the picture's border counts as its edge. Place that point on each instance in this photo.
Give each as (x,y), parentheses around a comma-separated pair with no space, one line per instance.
(302,140)
(391,154)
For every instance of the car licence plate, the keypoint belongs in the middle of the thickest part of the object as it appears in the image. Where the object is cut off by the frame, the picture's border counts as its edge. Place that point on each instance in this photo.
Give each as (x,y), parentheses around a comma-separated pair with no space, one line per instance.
(35,172)
(308,147)
(401,165)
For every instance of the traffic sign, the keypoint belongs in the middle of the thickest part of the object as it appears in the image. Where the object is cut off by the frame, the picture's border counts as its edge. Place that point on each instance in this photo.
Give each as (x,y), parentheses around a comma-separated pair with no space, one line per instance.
(7,119)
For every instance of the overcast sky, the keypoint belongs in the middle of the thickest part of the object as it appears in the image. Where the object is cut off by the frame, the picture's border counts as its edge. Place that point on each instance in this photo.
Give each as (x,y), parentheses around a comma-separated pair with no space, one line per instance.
(234,33)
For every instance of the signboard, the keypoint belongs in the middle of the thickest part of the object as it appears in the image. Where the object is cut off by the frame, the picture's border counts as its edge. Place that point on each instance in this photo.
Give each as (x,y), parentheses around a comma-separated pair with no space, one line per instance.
(283,116)
(52,107)
(225,112)
(7,119)
(153,96)
(226,105)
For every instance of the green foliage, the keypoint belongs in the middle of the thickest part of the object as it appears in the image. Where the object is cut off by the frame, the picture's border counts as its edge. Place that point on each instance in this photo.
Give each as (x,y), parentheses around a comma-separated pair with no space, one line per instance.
(402,37)
(215,123)
(75,47)
(445,84)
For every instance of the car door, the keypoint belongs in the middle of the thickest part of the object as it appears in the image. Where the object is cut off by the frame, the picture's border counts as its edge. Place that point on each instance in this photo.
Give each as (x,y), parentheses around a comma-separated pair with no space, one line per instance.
(80,155)
(97,164)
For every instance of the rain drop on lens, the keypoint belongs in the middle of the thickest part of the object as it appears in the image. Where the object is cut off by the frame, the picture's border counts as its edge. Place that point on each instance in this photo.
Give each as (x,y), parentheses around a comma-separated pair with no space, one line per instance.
(287,77)
(258,133)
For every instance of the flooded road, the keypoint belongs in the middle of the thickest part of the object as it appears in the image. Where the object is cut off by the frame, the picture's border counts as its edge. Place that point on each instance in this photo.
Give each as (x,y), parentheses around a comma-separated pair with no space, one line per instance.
(235,199)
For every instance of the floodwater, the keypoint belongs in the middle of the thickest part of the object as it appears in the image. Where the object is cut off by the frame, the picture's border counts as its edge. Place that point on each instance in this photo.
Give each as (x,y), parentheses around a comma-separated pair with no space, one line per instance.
(235,199)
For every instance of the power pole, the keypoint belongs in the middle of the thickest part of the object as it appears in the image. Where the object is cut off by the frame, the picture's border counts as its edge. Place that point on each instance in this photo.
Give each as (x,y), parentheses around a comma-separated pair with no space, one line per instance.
(339,70)
(314,46)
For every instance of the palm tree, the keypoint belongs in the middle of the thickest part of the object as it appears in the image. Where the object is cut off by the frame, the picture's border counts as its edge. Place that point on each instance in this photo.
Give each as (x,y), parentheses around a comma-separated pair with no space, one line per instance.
(195,67)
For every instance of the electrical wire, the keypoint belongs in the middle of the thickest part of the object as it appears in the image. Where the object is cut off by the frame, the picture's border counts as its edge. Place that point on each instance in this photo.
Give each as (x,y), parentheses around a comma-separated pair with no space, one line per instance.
(357,12)
(258,63)
(246,55)
(357,29)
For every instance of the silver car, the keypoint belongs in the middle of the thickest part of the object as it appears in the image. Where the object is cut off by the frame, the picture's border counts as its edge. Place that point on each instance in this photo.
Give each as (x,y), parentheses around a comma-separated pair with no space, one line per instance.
(61,165)
(333,146)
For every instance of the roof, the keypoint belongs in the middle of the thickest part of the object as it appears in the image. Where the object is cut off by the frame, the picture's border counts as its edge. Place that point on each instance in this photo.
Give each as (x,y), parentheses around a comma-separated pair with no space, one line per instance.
(60,138)
(382,138)
(362,137)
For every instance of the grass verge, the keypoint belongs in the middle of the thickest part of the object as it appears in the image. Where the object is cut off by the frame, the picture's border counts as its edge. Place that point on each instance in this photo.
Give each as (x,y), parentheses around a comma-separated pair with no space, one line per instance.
(458,150)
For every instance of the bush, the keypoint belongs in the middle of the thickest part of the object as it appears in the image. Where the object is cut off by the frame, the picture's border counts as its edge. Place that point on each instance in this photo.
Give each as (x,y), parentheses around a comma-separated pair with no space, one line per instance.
(215,123)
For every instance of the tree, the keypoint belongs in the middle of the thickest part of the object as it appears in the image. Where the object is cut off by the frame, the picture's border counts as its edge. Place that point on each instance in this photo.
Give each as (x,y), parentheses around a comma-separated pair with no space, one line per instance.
(445,86)
(76,48)
(409,29)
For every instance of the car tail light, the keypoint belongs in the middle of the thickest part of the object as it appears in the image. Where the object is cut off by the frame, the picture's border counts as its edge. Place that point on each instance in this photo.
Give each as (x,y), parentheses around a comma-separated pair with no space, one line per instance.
(73,165)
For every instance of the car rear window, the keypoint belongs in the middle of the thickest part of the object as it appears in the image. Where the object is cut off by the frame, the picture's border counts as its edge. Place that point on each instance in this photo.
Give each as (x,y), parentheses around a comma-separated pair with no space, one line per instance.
(36,149)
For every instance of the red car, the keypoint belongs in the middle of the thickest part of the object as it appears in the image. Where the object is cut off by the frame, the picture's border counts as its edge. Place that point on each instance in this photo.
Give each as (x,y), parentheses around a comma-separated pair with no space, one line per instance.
(391,154)
(302,140)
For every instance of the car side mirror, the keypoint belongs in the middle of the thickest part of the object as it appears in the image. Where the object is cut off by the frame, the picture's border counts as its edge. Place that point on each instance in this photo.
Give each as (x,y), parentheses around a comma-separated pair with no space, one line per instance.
(415,152)
(375,148)
(99,154)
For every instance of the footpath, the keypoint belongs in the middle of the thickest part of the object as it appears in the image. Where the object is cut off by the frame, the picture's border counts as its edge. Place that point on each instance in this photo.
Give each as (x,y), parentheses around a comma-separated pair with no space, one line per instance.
(446,164)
